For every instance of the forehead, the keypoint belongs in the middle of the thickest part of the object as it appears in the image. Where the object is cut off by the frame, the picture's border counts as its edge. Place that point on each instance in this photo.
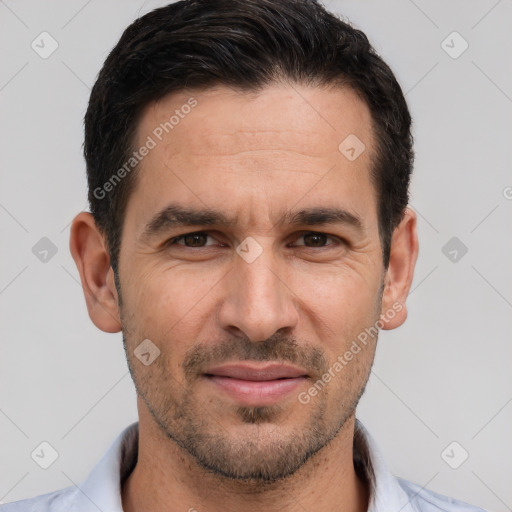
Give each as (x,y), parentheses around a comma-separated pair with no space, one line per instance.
(311,119)
(232,149)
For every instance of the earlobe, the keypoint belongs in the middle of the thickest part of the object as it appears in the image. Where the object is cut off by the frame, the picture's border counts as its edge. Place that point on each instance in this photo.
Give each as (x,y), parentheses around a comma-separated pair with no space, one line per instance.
(400,272)
(87,247)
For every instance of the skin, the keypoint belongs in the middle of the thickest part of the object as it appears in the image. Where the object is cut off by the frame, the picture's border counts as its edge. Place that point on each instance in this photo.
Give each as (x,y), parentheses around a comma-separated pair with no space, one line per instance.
(303,300)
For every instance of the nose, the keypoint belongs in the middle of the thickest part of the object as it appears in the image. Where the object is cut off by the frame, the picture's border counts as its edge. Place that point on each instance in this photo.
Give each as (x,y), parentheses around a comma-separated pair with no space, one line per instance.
(258,300)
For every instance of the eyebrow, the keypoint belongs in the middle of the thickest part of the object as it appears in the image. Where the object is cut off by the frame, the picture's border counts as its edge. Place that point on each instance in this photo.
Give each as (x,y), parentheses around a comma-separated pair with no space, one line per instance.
(176,215)
(322,215)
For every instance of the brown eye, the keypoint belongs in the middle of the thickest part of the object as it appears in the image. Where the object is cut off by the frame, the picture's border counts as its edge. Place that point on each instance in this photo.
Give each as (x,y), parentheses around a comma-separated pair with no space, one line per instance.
(191,240)
(197,240)
(316,240)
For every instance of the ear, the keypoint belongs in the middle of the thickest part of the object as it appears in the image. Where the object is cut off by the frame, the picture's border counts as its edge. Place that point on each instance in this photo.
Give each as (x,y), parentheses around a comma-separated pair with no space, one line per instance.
(87,247)
(398,278)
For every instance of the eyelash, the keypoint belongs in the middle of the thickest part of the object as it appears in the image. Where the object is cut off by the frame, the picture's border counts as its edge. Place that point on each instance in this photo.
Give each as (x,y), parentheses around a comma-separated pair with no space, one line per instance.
(173,241)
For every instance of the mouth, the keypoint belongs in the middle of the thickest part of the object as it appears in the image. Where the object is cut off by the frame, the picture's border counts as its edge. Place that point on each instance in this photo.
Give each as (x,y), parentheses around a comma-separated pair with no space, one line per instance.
(253,385)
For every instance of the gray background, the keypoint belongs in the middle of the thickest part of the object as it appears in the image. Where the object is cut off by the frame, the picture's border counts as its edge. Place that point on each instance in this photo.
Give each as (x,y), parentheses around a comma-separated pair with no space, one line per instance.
(442,377)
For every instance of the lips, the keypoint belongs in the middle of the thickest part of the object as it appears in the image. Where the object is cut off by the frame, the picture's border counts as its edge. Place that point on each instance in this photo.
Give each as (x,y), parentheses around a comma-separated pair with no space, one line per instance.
(248,372)
(256,385)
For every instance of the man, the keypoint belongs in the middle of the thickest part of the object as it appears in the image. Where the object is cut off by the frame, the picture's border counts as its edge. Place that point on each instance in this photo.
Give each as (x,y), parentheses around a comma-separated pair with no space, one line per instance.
(248,166)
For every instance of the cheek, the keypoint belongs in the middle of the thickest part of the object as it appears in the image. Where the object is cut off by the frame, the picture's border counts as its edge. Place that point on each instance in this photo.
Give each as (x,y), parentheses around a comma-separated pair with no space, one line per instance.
(340,304)
(166,307)
(337,290)
(168,302)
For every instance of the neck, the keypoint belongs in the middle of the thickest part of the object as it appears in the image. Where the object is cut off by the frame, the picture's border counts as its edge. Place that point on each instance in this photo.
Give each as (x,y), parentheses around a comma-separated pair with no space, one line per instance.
(166,477)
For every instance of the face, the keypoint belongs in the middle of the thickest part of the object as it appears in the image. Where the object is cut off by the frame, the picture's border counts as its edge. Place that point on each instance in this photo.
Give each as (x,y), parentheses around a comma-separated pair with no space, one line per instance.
(267,253)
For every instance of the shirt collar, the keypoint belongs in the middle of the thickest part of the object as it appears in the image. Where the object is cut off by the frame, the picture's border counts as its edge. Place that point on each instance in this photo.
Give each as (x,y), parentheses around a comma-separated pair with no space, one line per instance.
(385,492)
(102,488)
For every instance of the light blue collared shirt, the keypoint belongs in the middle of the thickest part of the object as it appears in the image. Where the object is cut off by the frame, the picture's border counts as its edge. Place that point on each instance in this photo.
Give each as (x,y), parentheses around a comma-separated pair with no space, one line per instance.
(101,490)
